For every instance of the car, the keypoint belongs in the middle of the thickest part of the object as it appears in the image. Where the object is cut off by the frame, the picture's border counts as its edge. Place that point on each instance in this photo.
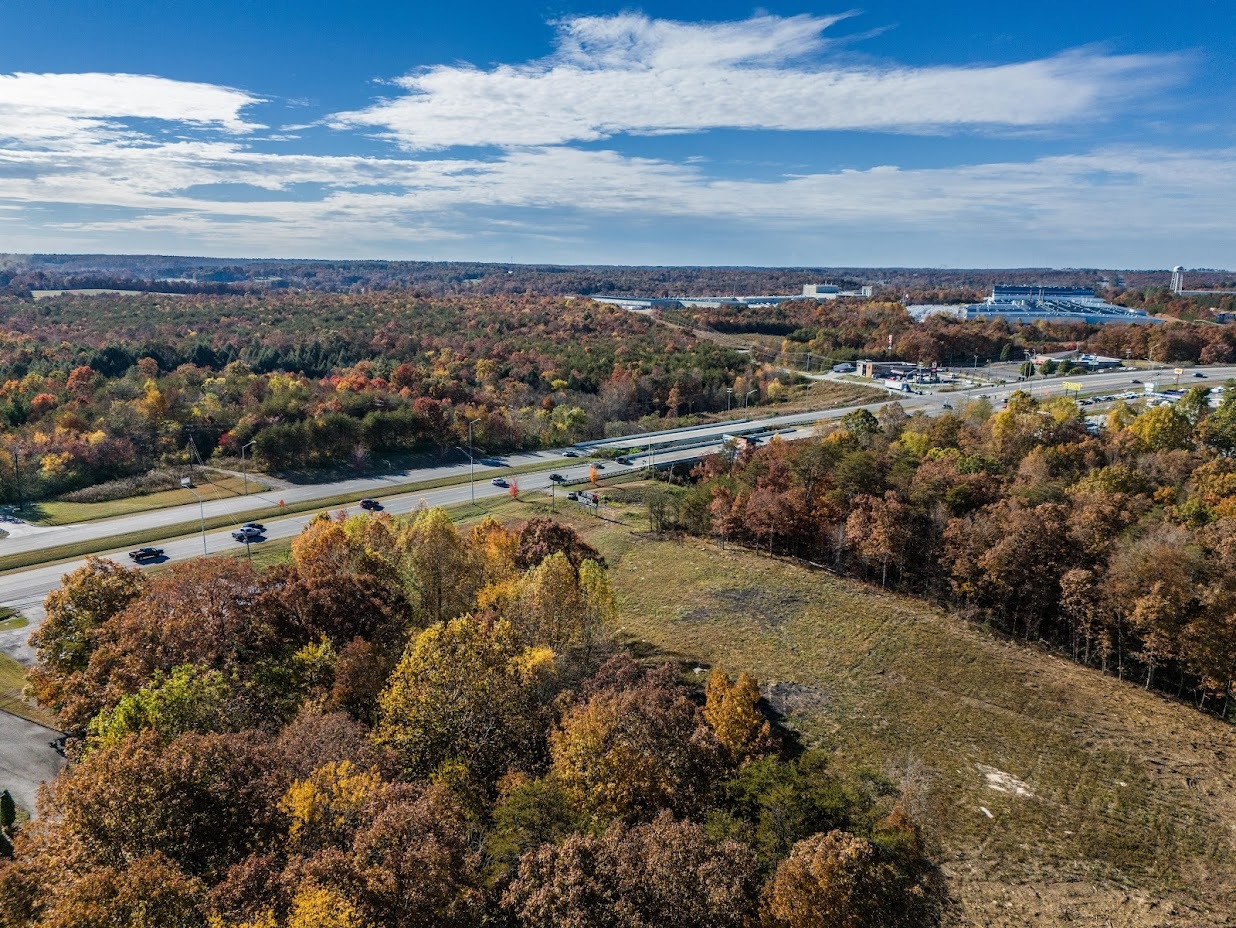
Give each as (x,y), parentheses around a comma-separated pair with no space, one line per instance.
(948,405)
(626,461)
(570,454)
(572,495)
(370,504)
(1134,380)
(556,478)
(598,465)
(499,482)
(247,533)
(257,526)
(145,554)
(1198,374)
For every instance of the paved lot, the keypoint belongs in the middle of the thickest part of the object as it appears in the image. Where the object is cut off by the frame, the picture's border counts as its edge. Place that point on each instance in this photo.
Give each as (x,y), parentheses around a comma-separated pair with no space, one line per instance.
(27,758)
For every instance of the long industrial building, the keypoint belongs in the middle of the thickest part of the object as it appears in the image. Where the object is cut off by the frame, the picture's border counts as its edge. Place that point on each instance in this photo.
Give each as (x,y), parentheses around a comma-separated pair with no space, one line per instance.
(1039,304)
(810,292)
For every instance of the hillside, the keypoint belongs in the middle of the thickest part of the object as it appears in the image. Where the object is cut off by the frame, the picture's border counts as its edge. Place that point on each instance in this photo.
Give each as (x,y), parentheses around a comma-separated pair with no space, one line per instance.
(1127,813)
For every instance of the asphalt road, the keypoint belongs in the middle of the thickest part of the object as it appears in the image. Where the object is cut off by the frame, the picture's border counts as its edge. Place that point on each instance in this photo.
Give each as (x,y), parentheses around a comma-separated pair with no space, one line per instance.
(25,590)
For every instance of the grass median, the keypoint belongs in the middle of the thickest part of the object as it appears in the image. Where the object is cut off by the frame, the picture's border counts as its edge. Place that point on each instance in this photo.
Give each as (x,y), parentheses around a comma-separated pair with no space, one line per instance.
(58,512)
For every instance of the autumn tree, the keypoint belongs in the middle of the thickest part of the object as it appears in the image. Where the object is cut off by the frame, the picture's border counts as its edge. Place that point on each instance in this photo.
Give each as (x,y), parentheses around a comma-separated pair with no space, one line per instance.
(731,710)
(541,537)
(439,567)
(468,692)
(634,750)
(202,801)
(664,872)
(835,880)
(879,530)
(86,599)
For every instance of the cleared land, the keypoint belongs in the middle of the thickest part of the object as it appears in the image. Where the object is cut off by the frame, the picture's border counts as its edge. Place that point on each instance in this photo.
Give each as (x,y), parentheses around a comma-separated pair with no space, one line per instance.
(1058,795)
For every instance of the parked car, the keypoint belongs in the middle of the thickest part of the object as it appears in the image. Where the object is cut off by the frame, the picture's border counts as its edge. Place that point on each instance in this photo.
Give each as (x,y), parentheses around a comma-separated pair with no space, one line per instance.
(370,504)
(145,554)
(557,478)
(248,533)
(499,482)
(572,495)
(570,454)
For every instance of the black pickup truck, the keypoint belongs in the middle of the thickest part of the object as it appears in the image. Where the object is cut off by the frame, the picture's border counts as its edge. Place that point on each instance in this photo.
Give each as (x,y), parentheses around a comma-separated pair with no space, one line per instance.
(145,554)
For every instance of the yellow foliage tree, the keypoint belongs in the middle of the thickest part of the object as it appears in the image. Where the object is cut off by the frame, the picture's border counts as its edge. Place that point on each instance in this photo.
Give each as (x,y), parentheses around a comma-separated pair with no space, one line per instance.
(439,568)
(326,808)
(467,692)
(320,907)
(730,710)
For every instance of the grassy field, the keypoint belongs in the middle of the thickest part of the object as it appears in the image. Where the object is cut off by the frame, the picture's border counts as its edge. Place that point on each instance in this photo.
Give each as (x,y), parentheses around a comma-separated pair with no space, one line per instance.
(1056,795)
(60,513)
(12,680)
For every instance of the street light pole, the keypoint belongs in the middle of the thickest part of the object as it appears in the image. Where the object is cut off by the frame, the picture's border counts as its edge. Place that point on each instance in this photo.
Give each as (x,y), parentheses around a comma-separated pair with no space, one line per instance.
(201,504)
(244,470)
(729,395)
(471,465)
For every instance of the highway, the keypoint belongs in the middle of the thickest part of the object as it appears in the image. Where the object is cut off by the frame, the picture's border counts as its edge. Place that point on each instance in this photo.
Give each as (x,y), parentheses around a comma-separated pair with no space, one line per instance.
(25,590)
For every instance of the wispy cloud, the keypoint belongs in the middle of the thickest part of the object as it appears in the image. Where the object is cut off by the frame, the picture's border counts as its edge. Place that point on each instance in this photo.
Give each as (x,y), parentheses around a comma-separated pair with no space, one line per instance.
(59,109)
(632,74)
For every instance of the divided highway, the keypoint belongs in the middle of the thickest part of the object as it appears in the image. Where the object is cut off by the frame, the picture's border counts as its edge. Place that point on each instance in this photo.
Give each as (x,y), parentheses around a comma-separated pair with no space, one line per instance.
(25,590)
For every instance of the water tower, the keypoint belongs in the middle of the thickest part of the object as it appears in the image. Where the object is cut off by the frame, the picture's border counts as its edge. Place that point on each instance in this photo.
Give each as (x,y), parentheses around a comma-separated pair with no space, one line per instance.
(1177,279)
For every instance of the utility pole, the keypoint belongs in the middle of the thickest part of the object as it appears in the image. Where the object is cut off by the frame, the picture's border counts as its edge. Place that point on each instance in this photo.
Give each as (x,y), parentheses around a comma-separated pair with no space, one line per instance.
(243,469)
(21,499)
(729,395)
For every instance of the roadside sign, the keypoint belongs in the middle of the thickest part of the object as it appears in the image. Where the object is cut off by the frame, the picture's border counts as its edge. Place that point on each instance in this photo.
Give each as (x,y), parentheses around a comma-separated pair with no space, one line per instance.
(1072,385)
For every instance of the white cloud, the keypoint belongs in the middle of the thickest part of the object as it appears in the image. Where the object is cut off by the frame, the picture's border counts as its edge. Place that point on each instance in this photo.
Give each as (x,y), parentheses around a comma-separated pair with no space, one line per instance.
(78,109)
(632,74)
(1109,198)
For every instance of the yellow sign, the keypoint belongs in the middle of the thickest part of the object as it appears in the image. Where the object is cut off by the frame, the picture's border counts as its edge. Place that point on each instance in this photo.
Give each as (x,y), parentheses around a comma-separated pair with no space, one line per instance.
(1179,371)
(1072,386)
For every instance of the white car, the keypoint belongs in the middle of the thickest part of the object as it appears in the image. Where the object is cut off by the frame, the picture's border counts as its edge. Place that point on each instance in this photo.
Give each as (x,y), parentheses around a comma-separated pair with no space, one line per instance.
(570,454)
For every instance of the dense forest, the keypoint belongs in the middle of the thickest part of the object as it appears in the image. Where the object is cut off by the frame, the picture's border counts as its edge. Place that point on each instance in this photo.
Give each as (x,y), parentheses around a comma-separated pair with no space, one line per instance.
(97,388)
(106,387)
(1118,548)
(407,727)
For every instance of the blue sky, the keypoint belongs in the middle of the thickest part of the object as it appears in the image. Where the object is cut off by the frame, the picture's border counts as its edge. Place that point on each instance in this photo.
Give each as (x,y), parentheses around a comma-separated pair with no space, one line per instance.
(1095,134)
